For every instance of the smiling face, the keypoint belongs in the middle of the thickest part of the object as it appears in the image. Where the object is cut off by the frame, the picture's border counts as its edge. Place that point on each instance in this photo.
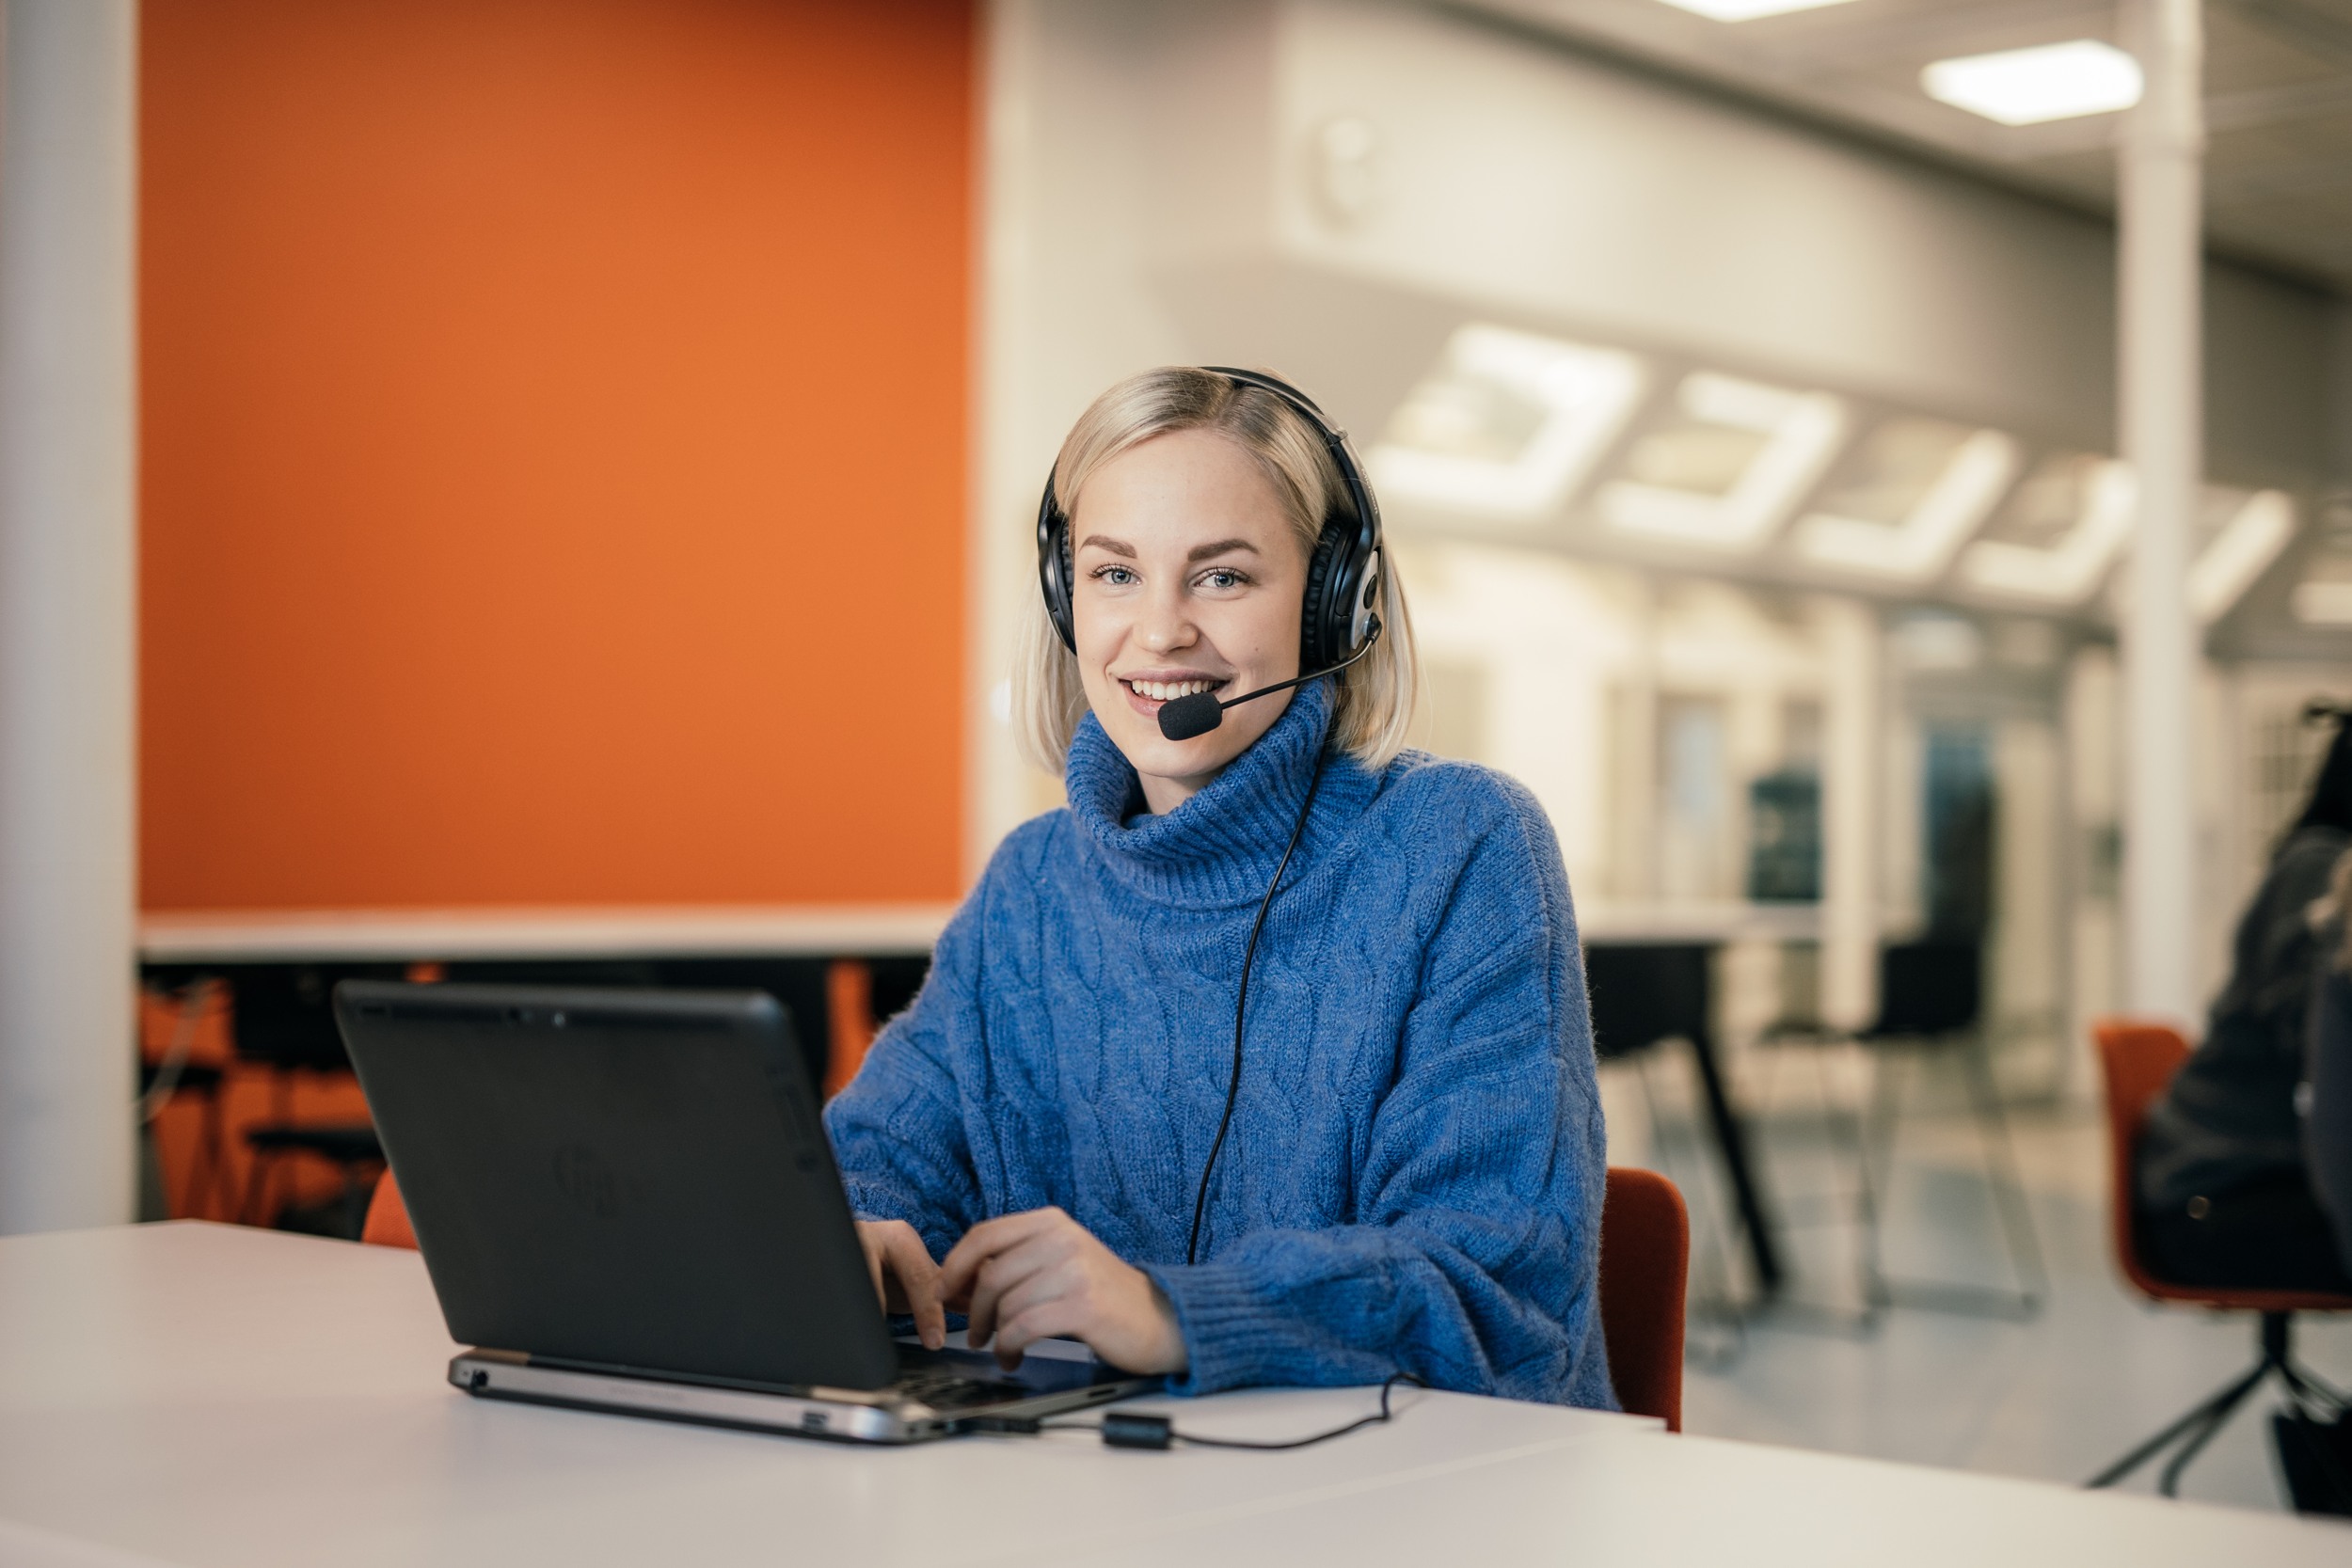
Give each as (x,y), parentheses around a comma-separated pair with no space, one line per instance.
(1187,576)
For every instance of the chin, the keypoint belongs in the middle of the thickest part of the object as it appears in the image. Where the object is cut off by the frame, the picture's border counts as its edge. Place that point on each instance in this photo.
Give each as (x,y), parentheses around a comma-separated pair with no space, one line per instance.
(1148,750)
(1138,738)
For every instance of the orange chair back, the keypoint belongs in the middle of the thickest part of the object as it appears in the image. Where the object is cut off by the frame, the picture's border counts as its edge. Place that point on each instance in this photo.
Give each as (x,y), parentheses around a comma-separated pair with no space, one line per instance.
(1645,1267)
(388,1217)
(2139,1057)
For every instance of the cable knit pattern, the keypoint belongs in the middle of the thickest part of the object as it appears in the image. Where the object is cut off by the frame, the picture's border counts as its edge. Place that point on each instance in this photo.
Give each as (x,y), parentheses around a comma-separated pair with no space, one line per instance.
(1413,1179)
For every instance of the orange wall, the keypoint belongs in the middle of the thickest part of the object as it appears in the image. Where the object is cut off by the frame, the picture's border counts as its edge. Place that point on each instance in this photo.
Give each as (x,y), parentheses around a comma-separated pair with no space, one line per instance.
(553,446)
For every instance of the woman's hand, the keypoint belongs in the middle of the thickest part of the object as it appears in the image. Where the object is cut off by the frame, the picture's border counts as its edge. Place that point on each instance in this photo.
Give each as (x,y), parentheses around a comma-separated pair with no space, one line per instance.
(1030,1277)
(905,1277)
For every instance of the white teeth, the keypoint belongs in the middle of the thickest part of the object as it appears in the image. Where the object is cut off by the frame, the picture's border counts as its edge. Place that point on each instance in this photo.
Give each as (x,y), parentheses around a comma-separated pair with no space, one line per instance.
(1161,691)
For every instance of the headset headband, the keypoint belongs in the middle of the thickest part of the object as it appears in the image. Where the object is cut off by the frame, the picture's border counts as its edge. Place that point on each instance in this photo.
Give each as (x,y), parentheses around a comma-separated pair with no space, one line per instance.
(1342,576)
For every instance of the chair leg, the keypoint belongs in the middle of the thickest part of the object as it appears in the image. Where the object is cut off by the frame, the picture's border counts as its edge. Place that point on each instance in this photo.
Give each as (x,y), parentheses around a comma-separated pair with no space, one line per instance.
(1709,1226)
(2001,1175)
(2169,1483)
(2204,1420)
(1877,1140)
(257,1172)
(1845,1128)
(2010,1209)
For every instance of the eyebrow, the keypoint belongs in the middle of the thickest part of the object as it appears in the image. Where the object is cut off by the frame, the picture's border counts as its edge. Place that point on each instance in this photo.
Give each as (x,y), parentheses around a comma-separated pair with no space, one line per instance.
(1197,553)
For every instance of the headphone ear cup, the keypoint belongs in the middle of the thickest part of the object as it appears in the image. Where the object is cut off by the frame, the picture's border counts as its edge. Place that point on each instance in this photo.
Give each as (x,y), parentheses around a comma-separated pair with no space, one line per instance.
(1054,567)
(1323,636)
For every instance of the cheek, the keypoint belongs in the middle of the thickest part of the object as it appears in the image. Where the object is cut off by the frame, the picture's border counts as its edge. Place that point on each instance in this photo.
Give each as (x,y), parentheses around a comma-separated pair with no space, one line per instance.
(1101,629)
(1263,628)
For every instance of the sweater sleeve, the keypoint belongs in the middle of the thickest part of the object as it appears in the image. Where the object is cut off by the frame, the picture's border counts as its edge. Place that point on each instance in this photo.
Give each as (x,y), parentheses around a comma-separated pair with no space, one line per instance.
(1473,1264)
(898,1130)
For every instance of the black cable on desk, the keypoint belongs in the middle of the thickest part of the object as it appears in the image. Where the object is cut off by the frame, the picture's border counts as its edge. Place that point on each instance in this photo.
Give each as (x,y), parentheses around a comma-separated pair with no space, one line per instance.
(1123,1430)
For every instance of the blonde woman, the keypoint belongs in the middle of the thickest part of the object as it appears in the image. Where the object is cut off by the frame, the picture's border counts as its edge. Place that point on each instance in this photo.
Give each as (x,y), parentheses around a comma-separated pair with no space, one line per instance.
(1385,1156)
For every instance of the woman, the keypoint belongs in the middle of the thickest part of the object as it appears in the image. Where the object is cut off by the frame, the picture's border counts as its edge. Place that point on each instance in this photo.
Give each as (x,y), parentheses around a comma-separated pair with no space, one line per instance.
(2225,1199)
(1398,1167)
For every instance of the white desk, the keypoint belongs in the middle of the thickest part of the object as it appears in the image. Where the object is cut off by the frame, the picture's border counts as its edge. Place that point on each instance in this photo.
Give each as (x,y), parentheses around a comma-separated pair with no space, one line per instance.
(198,1394)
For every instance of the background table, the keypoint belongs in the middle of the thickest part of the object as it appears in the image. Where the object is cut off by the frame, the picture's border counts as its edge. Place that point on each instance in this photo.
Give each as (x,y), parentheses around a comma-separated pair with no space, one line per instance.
(202,1394)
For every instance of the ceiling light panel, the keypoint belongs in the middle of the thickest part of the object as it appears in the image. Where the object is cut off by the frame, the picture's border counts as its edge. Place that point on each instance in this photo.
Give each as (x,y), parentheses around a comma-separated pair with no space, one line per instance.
(1509,426)
(2239,554)
(2324,602)
(2026,87)
(2069,568)
(1726,474)
(1748,11)
(1940,508)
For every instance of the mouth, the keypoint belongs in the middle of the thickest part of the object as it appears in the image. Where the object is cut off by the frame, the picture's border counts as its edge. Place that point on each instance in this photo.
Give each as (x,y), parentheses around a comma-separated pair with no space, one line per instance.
(1147,696)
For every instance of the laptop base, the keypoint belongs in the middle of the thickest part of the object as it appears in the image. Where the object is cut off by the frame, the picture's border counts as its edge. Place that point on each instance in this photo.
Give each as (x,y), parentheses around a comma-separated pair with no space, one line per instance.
(886,1414)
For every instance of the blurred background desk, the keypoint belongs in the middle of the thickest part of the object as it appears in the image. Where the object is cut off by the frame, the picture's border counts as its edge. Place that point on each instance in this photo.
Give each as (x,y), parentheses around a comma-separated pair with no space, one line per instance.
(1649,975)
(254,1113)
(211,1395)
(841,971)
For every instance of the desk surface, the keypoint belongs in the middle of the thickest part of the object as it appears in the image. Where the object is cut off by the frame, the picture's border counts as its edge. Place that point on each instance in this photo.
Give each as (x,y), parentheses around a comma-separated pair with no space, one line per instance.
(814,930)
(200,1393)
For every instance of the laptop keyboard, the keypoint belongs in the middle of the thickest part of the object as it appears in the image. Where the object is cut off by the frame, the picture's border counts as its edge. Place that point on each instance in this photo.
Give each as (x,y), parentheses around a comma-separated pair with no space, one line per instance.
(943,1389)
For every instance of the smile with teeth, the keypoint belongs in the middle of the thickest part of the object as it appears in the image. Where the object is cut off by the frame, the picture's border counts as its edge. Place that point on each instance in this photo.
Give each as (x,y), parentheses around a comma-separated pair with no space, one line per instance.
(1161,691)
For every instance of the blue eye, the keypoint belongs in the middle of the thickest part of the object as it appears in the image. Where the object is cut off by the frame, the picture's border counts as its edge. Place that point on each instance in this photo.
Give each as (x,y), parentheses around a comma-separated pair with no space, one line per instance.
(1117,577)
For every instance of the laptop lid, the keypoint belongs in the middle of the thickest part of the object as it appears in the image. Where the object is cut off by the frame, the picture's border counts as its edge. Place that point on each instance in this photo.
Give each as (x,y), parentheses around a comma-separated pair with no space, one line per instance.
(635,1179)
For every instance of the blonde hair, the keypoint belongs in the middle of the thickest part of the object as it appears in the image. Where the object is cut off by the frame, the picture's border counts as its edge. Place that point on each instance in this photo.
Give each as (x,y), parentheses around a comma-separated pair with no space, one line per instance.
(1375,697)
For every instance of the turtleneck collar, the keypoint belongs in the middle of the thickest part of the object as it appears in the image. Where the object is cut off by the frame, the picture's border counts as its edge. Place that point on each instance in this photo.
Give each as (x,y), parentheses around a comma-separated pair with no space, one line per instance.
(1219,847)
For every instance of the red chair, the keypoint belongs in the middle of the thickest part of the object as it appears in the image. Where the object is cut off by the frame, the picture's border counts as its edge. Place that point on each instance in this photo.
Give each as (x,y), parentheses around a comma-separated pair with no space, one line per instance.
(388,1217)
(2139,1058)
(1645,1266)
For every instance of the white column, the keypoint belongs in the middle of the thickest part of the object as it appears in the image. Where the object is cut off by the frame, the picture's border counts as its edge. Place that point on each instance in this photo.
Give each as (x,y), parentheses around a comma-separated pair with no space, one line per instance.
(1847,633)
(68,115)
(2161,418)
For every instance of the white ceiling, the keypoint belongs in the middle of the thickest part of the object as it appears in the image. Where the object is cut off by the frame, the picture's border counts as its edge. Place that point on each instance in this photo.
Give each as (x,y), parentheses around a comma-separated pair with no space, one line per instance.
(2278,98)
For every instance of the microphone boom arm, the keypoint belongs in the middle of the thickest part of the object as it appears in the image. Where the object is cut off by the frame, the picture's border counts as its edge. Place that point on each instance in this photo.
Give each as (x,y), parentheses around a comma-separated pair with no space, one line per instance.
(1187,717)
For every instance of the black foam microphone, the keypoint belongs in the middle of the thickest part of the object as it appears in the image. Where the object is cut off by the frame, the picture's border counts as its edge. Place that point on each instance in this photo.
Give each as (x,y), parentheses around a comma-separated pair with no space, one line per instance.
(1182,717)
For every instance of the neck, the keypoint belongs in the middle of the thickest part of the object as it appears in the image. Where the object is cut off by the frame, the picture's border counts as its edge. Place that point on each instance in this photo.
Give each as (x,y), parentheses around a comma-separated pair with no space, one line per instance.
(1163,795)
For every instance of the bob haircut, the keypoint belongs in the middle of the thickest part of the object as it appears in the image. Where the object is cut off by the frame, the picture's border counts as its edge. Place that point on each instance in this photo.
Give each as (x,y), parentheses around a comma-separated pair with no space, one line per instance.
(1375,697)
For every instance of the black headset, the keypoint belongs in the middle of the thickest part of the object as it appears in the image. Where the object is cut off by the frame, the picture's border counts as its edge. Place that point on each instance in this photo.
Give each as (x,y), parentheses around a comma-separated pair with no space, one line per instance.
(1343,576)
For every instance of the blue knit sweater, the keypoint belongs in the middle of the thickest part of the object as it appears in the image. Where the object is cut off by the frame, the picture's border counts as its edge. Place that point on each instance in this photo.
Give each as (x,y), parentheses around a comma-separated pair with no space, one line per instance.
(1413,1178)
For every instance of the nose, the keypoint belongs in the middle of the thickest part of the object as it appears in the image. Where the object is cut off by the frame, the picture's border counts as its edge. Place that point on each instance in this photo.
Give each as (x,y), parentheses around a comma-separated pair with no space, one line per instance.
(1166,625)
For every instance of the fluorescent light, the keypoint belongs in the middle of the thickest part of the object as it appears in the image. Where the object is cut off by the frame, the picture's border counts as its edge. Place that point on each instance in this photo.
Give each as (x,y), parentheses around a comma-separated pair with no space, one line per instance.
(2066,572)
(1802,431)
(1510,424)
(2242,551)
(1748,11)
(2026,86)
(2326,603)
(1919,547)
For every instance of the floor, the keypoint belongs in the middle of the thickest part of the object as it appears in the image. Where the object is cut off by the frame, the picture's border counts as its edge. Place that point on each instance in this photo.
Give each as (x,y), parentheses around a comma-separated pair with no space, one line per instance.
(2055,1396)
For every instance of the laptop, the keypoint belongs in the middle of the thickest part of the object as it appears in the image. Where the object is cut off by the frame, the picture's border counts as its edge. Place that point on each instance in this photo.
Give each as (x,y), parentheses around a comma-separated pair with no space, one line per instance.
(627,1203)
